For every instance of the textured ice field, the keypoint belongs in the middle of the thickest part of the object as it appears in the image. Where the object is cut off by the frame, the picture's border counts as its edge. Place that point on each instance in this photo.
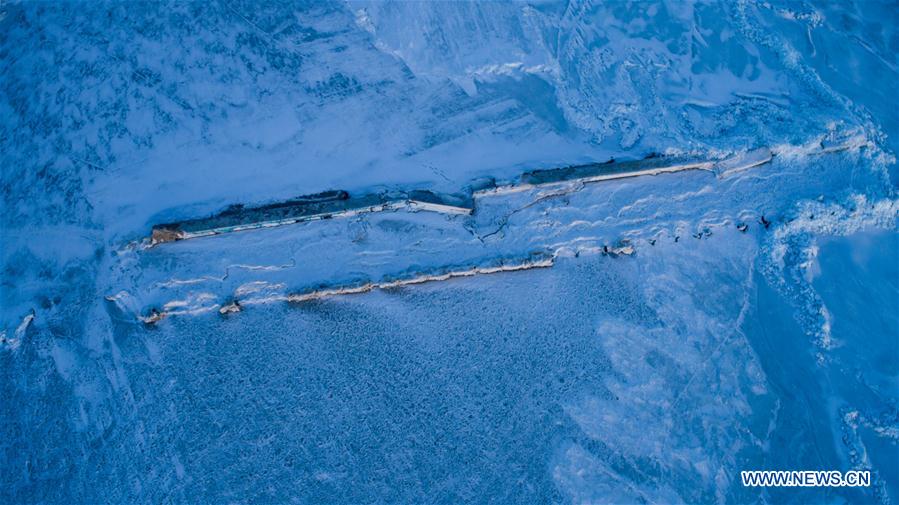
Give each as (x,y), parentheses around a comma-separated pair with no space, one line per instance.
(651,377)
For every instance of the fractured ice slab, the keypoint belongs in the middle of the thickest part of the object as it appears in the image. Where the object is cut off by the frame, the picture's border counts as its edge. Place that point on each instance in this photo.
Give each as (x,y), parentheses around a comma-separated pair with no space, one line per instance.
(536,260)
(595,172)
(743,161)
(327,205)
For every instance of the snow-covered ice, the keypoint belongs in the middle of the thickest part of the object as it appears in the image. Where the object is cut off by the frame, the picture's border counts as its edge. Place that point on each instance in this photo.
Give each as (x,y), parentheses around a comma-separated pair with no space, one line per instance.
(682,327)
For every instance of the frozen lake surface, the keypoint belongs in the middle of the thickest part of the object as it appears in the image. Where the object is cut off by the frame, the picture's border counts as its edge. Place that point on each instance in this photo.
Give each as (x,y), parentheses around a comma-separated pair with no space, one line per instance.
(747,321)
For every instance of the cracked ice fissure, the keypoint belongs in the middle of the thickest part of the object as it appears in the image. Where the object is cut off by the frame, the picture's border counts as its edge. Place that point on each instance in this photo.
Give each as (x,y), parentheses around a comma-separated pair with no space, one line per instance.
(548,184)
(336,204)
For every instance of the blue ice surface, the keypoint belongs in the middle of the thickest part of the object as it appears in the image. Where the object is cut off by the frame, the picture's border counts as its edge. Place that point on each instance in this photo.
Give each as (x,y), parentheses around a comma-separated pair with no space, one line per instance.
(861,377)
(579,382)
(652,378)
